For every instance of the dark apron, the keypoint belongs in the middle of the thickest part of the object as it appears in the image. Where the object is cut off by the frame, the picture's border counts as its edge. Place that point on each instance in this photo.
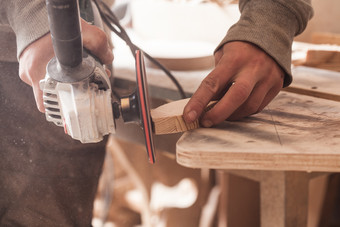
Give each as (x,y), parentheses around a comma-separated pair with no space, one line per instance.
(46,177)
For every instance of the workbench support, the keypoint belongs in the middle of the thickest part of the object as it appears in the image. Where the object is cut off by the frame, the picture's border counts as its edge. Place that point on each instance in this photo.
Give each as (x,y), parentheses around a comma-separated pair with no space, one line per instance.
(283,196)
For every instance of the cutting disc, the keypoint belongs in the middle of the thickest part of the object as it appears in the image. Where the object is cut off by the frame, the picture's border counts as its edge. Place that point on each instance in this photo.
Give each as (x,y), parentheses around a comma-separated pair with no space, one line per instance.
(144,105)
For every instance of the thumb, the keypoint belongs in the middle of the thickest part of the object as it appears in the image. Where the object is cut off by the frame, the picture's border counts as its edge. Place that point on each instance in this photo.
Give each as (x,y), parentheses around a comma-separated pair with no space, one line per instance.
(96,41)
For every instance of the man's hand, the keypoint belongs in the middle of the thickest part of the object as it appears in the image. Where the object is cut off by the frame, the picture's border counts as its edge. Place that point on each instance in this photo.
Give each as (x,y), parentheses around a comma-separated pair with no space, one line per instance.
(245,80)
(33,60)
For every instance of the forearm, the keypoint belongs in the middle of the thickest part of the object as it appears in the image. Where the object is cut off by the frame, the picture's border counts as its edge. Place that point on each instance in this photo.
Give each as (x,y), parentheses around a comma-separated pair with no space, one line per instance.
(28,20)
(271,25)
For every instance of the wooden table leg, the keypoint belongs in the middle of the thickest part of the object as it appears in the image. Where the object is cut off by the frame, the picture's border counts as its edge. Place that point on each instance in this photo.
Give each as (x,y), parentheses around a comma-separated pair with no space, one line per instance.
(284,198)
(223,181)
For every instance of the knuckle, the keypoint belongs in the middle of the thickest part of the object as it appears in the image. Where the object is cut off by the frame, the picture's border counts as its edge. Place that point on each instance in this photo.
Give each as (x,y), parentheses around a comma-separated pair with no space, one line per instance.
(94,39)
(101,42)
(243,89)
(210,84)
(102,39)
(22,73)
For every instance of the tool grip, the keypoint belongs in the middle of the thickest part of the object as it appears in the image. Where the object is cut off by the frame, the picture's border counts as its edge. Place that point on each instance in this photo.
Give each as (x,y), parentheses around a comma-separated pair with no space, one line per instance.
(63,16)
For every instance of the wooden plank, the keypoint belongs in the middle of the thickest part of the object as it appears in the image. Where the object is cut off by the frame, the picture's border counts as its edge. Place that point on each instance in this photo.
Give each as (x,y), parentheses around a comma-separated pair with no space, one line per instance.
(293,133)
(312,92)
(168,118)
(318,80)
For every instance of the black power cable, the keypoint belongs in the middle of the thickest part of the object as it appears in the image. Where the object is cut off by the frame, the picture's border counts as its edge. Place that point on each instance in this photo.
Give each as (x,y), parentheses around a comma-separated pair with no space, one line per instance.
(113,24)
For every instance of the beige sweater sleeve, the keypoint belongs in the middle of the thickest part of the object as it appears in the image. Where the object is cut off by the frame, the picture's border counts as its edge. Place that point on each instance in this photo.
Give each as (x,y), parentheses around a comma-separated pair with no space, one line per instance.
(271,25)
(28,19)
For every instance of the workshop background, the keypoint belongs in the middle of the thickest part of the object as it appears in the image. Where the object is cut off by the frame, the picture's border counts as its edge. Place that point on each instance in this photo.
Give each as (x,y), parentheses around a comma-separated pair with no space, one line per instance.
(133,192)
(170,27)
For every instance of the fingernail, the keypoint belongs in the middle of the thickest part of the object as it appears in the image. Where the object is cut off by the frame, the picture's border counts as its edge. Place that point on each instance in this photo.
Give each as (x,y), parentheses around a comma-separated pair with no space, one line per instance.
(207,123)
(192,115)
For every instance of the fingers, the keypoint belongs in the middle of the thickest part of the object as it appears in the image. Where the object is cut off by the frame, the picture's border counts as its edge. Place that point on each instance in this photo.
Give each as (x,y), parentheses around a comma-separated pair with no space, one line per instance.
(255,77)
(256,101)
(33,81)
(217,81)
(235,97)
(96,41)
(38,95)
(32,65)
(210,87)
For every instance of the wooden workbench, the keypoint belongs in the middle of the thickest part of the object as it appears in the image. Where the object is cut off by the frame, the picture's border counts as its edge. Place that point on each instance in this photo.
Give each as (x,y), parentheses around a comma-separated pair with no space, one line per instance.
(291,141)
(283,147)
(292,133)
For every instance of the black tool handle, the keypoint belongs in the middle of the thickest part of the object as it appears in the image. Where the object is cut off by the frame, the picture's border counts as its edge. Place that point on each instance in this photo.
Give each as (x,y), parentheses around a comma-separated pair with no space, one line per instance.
(63,16)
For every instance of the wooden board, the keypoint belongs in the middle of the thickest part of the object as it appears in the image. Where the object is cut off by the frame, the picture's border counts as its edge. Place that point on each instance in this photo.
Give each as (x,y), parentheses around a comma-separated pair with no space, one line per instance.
(312,92)
(323,56)
(168,118)
(293,133)
(318,80)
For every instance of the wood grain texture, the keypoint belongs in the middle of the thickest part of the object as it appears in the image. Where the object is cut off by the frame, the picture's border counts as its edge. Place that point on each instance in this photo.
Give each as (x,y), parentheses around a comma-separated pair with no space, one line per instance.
(293,133)
(168,118)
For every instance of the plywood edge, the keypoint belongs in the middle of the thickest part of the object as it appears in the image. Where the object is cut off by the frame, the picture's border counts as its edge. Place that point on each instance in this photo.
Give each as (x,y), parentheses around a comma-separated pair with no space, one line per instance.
(257,161)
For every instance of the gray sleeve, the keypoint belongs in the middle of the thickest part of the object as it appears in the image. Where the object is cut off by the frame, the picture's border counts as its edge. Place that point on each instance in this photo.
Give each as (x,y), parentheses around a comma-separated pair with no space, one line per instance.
(272,26)
(28,19)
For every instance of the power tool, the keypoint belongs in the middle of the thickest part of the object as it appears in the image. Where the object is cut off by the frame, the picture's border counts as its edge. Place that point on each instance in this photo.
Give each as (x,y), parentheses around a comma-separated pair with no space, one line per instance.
(77,92)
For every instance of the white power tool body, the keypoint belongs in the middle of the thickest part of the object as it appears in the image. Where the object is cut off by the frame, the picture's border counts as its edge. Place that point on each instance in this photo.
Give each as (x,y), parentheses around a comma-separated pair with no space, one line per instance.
(83,108)
(77,92)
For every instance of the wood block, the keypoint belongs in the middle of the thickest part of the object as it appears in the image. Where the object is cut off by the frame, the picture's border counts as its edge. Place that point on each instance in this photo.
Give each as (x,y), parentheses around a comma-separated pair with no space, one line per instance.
(323,56)
(168,118)
(323,59)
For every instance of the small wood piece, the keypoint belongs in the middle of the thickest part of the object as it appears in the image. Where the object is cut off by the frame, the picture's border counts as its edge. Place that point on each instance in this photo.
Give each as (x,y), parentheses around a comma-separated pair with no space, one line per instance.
(168,118)
(323,56)
(323,59)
